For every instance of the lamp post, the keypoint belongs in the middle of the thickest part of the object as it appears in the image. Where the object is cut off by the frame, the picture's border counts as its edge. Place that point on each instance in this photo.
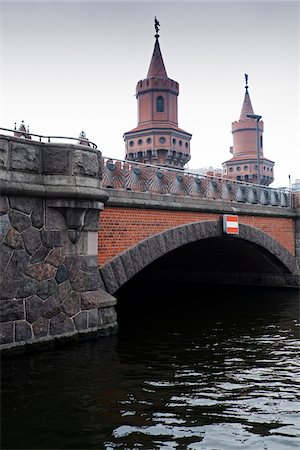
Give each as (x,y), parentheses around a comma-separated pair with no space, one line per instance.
(257,118)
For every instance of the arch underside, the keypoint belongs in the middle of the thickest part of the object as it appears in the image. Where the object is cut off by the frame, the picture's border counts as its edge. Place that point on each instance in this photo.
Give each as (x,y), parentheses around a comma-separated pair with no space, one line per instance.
(201,252)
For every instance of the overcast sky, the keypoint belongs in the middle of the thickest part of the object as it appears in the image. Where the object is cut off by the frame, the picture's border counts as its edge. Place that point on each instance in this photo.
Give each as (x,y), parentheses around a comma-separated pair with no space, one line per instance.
(73,65)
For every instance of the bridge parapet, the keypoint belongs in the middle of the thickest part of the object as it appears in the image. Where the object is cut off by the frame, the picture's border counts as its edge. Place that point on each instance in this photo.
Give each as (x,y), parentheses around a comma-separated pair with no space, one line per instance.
(138,177)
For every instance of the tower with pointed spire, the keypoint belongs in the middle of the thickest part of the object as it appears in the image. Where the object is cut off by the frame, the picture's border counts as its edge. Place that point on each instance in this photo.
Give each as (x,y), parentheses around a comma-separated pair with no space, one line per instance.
(157,139)
(243,164)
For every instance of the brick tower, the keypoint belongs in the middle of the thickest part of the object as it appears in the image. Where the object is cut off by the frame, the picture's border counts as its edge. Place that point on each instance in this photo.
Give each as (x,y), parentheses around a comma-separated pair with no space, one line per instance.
(244,162)
(157,139)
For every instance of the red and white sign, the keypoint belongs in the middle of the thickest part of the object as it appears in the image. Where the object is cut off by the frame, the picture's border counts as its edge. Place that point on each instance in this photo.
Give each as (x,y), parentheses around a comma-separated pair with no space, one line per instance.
(230,224)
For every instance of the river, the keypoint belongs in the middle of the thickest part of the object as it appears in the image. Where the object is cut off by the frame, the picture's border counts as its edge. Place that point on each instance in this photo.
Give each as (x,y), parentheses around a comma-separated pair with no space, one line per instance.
(215,368)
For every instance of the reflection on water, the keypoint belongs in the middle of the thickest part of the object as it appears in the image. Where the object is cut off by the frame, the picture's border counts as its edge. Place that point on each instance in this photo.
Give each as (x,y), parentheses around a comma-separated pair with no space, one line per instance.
(182,374)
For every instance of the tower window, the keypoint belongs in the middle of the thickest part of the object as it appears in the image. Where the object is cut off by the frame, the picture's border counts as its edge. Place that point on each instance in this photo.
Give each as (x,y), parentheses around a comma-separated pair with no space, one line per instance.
(162,140)
(261,141)
(140,141)
(160,107)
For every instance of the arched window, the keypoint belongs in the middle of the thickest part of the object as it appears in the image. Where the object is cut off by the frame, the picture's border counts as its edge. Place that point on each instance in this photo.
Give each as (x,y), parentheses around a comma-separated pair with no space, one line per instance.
(160,104)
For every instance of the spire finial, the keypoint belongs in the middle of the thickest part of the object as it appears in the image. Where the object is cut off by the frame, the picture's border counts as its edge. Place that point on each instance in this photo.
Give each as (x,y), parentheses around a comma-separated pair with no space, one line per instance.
(246,80)
(156,26)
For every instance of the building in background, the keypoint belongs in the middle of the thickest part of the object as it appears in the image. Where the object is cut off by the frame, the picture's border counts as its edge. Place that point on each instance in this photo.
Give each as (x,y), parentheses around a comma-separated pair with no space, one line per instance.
(246,139)
(157,139)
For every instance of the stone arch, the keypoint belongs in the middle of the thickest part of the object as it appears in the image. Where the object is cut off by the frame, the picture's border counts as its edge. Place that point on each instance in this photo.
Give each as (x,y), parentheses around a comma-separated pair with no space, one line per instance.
(123,267)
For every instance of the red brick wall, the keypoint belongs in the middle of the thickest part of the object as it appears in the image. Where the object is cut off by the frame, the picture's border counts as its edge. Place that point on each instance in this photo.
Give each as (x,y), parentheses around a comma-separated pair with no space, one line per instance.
(121,228)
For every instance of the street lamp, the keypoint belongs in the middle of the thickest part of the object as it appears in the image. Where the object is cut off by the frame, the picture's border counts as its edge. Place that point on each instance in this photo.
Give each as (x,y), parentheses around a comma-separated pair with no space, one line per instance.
(257,118)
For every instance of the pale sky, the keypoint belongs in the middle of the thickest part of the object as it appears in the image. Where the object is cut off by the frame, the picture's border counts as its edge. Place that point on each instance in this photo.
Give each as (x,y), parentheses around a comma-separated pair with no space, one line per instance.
(68,66)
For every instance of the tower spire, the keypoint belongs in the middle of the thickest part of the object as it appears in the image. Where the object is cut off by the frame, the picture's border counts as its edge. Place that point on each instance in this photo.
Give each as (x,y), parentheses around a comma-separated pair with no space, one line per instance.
(157,68)
(247,105)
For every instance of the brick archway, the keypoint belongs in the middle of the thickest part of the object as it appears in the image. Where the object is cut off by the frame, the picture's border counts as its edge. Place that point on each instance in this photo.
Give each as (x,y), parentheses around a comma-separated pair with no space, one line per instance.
(123,267)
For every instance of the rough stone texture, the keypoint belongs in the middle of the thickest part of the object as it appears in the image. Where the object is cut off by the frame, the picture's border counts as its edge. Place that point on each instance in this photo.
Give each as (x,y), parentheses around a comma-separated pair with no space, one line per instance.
(23,204)
(3,152)
(55,161)
(4,226)
(39,255)
(62,274)
(13,239)
(46,288)
(61,324)
(81,320)
(6,332)
(55,257)
(109,278)
(64,289)
(107,316)
(40,327)
(91,220)
(96,299)
(71,304)
(51,306)
(34,308)
(25,157)
(4,258)
(19,220)
(32,239)
(47,238)
(85,163)
(27,287)
(119,271)
(23,331)
(92,318)
(3,205)
(37,215)
(41,271)
(11,310)
(13,274)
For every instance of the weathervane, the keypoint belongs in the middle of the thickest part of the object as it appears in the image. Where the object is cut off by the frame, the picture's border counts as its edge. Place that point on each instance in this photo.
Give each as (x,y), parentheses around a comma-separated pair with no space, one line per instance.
(156,26)
(246,79)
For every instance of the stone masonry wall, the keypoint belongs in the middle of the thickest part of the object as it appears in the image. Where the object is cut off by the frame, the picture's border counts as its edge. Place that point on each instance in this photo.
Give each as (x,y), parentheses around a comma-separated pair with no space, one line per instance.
(49,219)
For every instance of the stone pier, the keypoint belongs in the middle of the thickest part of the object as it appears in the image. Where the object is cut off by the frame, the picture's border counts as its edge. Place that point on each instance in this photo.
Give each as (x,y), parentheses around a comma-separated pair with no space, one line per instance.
(50,284)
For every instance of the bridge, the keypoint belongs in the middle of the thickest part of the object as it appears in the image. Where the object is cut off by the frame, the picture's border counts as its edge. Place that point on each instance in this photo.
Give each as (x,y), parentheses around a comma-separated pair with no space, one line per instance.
(77,226)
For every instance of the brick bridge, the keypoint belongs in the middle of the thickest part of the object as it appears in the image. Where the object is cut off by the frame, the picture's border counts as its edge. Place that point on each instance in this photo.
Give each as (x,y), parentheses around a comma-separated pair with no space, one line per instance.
(75,227)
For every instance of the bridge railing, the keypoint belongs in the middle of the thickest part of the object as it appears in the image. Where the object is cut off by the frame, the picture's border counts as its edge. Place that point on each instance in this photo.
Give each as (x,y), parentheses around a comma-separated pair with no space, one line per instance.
(139,177)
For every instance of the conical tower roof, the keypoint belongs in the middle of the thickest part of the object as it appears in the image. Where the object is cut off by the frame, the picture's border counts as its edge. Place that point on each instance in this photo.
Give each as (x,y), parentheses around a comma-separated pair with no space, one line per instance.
(247,106)
(157,68)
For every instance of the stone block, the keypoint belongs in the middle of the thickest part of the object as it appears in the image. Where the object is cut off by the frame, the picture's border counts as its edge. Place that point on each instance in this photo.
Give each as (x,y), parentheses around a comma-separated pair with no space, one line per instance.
(96,299)
(64,289)
(107,316)
(4,226)
(62,274)
(40,327)
(56,160)
(92,318)
(5,253)
(46,288)
(91,220)
(34,308)
(109,278)
(27,287)
(23,204)
(41,271)
(128,265)
(72,303)
(47,238)
(54,220)
(25,157)
(11,310)
(3,205)
(85,163)
(87,182)
(3,152)
(119,271)
(17,265)
(32,239)
(6,332)
(57,239)
(145,252)
(13,239)
(61,324)
(51,306)
(92,243)
(23,331)
(81,320)
(55,258)
(37,215)
(89,263)
(136,259)
(19,221)
(40,255)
